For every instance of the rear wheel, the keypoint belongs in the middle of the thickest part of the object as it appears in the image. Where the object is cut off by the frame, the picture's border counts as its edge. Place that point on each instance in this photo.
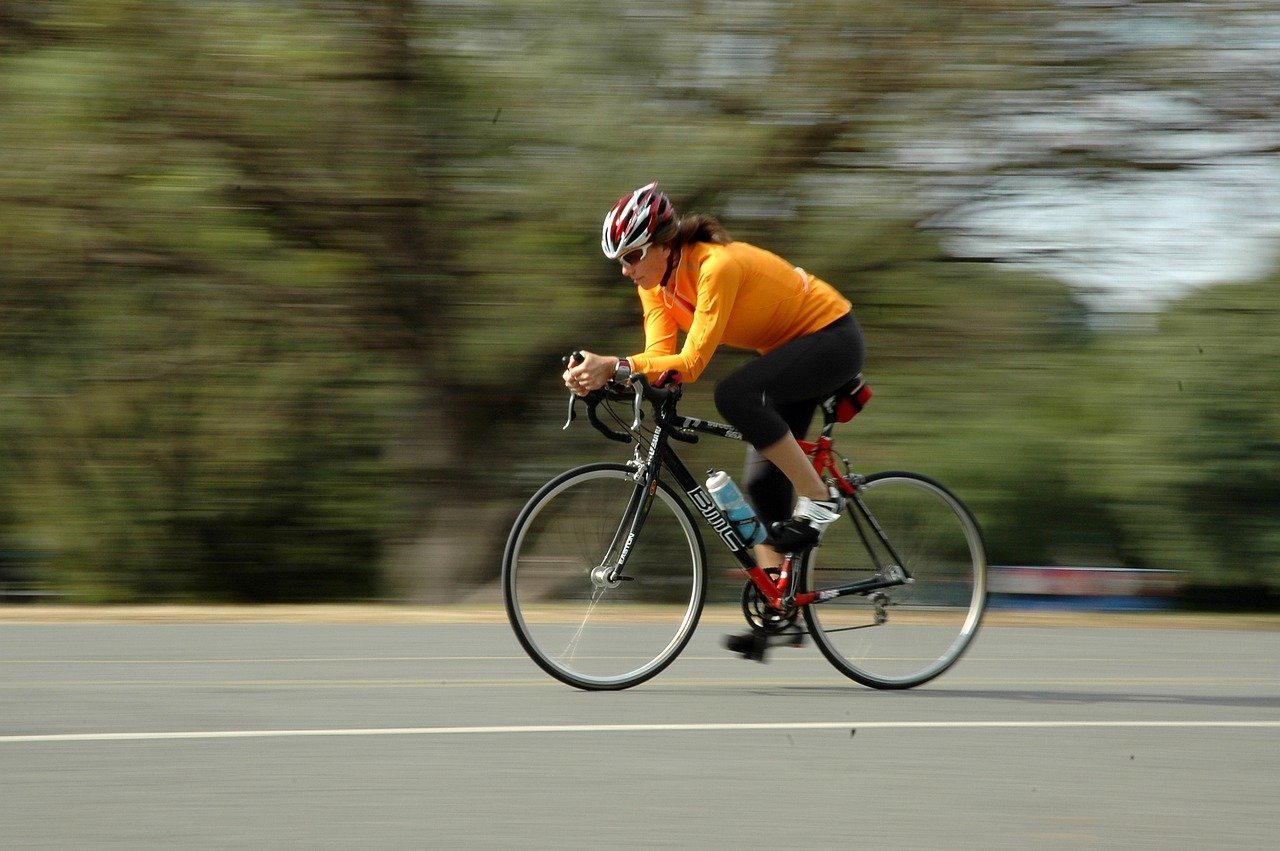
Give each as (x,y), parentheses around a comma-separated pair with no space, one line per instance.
(901,636)
(578,621)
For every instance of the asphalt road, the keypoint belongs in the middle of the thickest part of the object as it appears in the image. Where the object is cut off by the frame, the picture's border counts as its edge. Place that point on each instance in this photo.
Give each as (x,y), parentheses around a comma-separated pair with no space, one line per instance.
(397,735)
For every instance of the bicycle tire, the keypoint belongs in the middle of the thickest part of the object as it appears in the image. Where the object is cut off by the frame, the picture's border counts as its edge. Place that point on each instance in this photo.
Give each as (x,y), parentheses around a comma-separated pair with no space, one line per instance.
(929,623)
(603,638)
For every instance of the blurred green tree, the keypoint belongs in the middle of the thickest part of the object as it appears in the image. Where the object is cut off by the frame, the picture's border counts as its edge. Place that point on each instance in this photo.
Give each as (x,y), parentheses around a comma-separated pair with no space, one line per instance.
(286,285)
(1197,470)
(221,266)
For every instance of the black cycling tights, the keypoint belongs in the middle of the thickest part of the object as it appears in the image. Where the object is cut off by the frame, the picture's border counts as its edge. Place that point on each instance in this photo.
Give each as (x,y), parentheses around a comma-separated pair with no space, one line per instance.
(778,393)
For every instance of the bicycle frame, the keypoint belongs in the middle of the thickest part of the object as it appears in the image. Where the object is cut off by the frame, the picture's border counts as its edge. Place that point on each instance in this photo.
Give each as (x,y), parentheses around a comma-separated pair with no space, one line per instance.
(604,596)
(779,594)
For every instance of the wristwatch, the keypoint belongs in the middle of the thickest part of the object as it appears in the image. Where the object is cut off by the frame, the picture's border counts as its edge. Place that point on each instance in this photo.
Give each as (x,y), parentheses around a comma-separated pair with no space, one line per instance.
(622,372)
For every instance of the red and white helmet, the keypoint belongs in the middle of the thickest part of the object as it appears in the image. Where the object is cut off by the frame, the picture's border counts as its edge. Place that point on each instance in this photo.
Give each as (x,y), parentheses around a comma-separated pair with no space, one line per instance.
(634,220)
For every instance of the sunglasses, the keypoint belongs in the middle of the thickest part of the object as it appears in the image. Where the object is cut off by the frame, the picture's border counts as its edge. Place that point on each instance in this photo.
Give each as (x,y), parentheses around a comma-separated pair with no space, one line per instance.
(634,256)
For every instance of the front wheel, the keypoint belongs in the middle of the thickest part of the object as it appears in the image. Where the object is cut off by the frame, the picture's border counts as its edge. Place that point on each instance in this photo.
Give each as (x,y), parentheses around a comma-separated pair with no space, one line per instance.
(905,635)
(576,619)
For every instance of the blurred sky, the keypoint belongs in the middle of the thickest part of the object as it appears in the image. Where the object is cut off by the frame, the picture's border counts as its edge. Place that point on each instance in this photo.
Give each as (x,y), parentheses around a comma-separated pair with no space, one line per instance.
(1203,209)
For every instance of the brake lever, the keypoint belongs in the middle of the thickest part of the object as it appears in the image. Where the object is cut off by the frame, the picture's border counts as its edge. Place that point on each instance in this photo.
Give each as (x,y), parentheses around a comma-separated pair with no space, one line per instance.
(635,406)
(573,411)
(576,357)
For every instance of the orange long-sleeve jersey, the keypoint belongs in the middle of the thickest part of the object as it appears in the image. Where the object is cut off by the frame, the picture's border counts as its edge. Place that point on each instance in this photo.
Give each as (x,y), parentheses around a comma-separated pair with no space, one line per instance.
(736,294)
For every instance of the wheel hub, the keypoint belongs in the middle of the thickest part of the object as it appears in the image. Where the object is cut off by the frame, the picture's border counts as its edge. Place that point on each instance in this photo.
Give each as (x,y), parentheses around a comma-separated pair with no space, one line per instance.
(604,577)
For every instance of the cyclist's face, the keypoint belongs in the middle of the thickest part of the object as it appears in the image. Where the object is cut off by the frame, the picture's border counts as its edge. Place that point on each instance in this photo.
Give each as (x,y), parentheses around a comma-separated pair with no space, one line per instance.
(647,271)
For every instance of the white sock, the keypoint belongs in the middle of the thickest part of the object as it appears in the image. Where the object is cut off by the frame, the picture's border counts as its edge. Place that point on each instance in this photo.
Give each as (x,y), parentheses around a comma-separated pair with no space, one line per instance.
(820,514)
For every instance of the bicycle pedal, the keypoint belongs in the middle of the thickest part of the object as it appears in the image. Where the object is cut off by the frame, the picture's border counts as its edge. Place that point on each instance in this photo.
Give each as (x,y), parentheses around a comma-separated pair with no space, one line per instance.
(751,645)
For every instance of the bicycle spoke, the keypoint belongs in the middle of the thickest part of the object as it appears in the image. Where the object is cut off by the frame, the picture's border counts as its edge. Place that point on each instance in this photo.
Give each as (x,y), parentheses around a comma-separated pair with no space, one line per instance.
(571,650)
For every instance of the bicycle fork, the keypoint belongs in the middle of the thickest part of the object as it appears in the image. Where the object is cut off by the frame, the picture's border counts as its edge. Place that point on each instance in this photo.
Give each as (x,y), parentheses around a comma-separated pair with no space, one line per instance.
(608,574)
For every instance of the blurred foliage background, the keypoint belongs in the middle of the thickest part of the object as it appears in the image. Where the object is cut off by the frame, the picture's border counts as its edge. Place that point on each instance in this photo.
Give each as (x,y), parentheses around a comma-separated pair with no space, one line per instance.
(285,285)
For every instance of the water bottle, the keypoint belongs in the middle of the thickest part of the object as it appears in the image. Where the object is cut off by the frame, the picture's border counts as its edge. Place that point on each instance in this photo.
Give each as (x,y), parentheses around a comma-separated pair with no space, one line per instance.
(735,506)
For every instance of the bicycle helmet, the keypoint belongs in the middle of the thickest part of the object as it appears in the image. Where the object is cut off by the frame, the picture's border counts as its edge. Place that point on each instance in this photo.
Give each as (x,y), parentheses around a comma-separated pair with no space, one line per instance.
(634,220)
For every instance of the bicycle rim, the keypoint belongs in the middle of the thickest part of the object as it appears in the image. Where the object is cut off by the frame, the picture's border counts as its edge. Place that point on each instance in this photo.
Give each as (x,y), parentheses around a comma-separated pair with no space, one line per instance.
(909,634)
(586,634)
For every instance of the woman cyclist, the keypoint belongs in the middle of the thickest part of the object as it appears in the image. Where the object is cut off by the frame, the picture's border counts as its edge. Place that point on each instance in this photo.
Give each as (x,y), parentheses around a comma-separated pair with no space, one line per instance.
(693,278)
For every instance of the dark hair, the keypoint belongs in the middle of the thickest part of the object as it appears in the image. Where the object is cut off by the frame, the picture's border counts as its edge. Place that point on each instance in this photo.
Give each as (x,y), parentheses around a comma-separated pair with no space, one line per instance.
(693,227)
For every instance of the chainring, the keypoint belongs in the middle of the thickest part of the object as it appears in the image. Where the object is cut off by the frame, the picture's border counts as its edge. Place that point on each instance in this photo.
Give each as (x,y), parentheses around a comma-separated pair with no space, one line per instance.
(763,617)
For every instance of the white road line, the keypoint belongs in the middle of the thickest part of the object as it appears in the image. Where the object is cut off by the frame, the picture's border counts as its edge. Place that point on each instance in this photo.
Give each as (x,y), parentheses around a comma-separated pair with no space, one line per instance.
(628,728)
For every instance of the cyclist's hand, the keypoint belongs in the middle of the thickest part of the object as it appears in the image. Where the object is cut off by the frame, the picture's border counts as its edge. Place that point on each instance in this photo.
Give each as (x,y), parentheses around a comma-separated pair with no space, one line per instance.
(571,383)
(592,373)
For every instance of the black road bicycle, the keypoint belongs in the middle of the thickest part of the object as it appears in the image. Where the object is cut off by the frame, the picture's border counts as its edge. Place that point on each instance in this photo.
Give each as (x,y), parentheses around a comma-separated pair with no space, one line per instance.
(604,574)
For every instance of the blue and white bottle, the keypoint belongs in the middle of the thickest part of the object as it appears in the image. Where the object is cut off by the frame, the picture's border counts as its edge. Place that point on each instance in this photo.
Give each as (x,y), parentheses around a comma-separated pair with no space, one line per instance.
(735,506)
